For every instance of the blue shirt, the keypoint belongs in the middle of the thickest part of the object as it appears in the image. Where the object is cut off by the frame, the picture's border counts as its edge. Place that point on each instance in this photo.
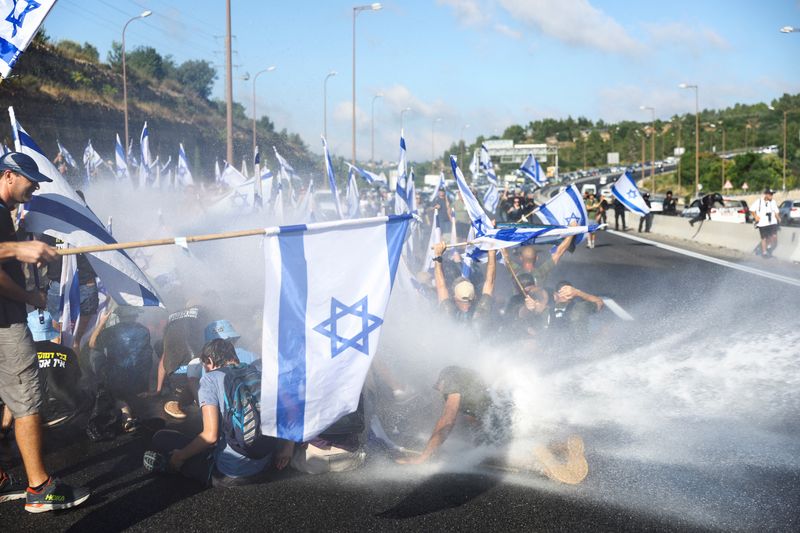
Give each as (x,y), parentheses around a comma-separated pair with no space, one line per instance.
(228,461)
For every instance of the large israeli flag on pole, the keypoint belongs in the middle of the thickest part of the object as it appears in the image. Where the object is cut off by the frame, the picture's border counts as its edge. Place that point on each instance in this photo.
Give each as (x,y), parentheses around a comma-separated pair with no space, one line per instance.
(119,160)
(322,324)
(331,178)
(626,191)
(533,170)
(59,212)
(369,177)
(145,163)
(563,209)
(184,174)
(477,215)
(19,23)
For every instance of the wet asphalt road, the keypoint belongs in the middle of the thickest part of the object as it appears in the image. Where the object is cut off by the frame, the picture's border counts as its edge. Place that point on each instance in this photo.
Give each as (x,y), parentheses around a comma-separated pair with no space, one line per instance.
(383,497)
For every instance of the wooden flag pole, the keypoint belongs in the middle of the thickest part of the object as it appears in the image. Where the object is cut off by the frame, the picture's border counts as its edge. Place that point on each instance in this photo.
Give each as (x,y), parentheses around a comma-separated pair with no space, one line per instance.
(160,242)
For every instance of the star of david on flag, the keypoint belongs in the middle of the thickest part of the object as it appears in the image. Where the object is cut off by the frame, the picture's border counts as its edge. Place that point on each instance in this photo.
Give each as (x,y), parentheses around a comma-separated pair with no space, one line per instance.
(563,208)
(625,190)
(360,341)
(322,324)
(18,27)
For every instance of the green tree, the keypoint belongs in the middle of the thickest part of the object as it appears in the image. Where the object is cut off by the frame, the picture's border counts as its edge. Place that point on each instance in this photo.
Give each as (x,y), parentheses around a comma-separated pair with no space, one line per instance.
(147,62)
(87,51)
(515,133)
(198,76)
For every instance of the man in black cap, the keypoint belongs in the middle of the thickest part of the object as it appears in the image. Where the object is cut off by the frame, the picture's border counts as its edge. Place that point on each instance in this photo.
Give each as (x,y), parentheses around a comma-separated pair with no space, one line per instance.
(20,388)
(647,220)
(767,218)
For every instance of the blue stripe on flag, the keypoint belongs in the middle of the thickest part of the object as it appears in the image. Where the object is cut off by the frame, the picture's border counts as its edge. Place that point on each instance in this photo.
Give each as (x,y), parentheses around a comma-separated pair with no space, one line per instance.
(291,401)
(627,202)
(396,229)
(548,215)
(25,140)
(571,193)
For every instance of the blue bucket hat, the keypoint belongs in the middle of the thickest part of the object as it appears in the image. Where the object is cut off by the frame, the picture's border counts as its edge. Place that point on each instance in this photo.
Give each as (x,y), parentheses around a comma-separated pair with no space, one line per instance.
(220,329)
(41,332)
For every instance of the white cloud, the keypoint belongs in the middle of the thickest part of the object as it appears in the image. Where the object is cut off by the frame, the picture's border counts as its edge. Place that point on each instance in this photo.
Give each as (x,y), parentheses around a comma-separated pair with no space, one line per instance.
(575,22)
(507,31)
(468,12)
(693,40)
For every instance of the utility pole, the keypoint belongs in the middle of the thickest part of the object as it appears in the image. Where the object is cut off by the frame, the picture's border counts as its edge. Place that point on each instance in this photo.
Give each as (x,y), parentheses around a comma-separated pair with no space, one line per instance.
(228,83)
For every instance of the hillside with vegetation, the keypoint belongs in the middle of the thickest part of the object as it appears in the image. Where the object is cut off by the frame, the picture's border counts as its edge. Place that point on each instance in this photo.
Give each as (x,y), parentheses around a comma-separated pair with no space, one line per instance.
(64,91)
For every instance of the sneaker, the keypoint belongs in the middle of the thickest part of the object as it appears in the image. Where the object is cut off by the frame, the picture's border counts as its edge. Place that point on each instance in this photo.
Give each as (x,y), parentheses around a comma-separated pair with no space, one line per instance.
(54,496)
(572,471)
(11,489)
(155,462)
(173,409)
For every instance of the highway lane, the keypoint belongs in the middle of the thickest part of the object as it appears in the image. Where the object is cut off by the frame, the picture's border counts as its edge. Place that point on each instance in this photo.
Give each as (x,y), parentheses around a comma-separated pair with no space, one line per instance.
(668,295)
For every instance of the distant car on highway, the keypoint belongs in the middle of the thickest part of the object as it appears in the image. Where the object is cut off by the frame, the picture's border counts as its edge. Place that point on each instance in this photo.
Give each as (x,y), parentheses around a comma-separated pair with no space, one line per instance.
(603,180)
(588,188)
(656,204)
(605,192)
(789,212)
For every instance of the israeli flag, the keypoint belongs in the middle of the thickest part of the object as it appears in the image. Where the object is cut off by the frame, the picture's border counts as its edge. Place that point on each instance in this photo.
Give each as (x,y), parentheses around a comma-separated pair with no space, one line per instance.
(369,177)
(507,235)
(184,176)
(439,186)
(59,212)
(411,193)
(285,166)
(492,196)
(91,159)
(477,216)
(256,158)
(474,166)
(145,162)
(533,170)
(563,209)
(121,165)
(267,179)
(331,178)
(21,20)
(277,205)
(163,169)
(321,324)
(217,173)
(66,155)
(353,200)
(485,161)
(401,192)
(436,237)
(626,191)
(232,177)
(69,299)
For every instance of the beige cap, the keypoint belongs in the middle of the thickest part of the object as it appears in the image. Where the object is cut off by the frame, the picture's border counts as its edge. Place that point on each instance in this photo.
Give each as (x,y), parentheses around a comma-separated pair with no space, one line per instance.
(464,291)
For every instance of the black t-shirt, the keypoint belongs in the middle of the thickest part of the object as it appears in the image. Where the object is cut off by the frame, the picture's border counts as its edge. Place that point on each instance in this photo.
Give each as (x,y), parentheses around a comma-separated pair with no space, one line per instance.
(60,375)
(184,337)
(86,273)
(11,311)
(129,357)
(443,216)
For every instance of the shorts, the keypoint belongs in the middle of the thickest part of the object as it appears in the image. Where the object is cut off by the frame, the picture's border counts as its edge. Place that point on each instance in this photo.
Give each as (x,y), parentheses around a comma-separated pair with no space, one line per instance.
(20,388)
(90,299)
(768,231)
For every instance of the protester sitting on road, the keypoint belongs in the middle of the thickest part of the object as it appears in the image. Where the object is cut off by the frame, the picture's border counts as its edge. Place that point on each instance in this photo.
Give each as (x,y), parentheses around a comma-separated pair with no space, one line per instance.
(208,458)
(223,329)
(121,358)
(182,342)
(20,387)
(65,395)
(571,307)
(460,306)
(767,217)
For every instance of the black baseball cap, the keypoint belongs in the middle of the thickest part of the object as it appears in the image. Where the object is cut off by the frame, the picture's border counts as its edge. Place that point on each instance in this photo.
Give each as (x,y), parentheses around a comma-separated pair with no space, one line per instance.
(768,191)
(22,164)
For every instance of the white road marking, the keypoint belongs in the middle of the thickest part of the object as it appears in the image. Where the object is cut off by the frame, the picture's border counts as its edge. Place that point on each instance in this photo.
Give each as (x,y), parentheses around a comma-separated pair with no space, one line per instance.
(615,308)
(708,258)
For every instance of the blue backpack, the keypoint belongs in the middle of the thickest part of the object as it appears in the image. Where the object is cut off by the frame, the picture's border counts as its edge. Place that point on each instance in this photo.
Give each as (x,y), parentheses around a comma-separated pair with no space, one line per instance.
(241,416)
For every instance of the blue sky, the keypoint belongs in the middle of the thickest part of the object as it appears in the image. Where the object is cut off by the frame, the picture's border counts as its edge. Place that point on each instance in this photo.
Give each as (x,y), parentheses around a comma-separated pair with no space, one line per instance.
(486,63)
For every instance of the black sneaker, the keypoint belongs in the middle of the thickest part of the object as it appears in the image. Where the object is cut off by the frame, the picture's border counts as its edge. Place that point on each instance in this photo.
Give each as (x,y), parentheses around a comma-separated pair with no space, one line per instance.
(155,462)
(11,489)
(54,496)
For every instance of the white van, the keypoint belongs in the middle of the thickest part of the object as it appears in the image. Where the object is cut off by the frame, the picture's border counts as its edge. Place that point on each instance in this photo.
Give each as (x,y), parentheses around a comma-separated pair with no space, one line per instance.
(589,188)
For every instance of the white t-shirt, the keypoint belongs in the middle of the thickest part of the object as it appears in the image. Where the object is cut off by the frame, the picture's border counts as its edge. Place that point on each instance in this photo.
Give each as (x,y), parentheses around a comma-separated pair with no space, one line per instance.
(767,211)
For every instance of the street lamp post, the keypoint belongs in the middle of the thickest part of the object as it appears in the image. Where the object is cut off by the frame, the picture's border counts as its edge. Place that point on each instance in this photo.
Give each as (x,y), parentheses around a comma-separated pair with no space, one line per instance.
(403,112)
(142,15)
(260,72)
(652,147)
(433,144)
(680,155)
(372,129)
(325,103)
(696,134)
(356,10)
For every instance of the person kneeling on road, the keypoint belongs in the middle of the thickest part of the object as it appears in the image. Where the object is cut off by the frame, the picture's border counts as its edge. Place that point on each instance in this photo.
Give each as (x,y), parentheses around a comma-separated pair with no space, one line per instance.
(210,457)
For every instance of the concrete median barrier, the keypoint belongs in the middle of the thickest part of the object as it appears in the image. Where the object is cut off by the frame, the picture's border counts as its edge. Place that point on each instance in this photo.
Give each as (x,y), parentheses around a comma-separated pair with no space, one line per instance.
(741,237)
